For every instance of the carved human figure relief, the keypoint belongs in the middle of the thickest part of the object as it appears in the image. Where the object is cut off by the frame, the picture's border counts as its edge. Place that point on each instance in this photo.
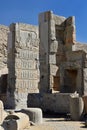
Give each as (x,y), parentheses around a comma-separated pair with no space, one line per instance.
(28,40)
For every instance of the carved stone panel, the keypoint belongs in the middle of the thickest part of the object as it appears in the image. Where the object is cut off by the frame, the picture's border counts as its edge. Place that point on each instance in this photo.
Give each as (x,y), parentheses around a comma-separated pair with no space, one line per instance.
(24,56)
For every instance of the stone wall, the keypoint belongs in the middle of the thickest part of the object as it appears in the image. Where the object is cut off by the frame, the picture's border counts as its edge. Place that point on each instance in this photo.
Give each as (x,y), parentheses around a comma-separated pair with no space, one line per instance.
(3,46)
(57,35)
(50,43)
(3,61)
(23,64)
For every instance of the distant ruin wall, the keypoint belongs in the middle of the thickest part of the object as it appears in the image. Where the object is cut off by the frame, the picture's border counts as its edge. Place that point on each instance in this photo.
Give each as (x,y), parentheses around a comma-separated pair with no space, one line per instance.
(23,64)
(3,61)
(3,46)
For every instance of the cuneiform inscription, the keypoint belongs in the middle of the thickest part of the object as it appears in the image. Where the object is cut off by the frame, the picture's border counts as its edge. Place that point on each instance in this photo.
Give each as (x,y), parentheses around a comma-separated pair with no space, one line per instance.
(27,39)
(25,64)
(26,54)
(26,84)
(26,74)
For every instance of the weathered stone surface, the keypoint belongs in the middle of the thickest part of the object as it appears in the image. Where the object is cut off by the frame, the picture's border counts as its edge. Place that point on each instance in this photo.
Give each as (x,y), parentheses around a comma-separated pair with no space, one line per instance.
(25,64)
(54,46)
(3,40)
(16,121)
(75,56)
(70,34)
(79,46)
(84,97)
(85,80)
(25,60)
(53,70)
(52,59)
(57,36)
(3,60)
(29,85)
(58,103)
(76,108)
(26,74)
(55,102)
(3,114)
(59,19)
(35,114)
(70,21)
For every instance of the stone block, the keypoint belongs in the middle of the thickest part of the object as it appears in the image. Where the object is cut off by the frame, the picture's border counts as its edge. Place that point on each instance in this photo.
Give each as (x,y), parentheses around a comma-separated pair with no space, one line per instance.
(70,34)
(54,46)
(59,19)
(34,100)
(52,59)
(35,114)
(56,102)
(16,121)
(75,56)
(76,108)
(79,47)
(54,70)
(3,114)
(70,21)
(60,58)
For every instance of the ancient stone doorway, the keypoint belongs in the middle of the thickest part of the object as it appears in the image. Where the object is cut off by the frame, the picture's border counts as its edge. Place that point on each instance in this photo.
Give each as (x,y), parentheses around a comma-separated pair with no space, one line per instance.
(3,88)
(70,80)
(56,85)
(59,33)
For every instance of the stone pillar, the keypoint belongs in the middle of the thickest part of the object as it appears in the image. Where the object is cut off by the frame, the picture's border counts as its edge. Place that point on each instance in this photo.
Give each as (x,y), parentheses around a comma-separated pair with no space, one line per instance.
(44,64)
(23,57)
(70,33)
(50,27)
(76,107)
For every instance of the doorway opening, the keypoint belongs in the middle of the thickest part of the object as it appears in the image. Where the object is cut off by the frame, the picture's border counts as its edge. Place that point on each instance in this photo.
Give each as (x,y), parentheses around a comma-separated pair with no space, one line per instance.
(3,84)
(56,85)
(70,80)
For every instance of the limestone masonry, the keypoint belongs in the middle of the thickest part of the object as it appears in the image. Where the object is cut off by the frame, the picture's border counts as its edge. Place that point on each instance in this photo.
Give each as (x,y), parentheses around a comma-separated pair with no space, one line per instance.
(40,66)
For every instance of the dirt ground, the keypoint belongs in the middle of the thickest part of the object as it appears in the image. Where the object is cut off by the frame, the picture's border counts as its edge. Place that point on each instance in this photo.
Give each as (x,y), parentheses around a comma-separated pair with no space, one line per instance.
(58,123)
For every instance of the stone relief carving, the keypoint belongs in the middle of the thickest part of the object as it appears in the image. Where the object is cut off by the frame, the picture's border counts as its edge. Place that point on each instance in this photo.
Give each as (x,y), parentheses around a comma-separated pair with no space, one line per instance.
(27,39)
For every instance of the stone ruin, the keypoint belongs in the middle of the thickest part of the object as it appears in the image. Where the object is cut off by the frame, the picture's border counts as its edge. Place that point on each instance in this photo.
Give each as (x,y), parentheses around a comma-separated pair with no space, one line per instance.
(40,66)
(3,61)
(19,119)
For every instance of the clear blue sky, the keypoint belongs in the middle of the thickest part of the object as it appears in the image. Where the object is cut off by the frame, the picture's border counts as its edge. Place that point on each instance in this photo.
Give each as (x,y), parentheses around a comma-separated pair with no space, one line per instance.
(26,11)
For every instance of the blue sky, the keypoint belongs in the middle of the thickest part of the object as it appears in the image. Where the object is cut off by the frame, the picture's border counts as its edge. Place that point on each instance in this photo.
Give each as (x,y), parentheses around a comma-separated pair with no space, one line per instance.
(26,11)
